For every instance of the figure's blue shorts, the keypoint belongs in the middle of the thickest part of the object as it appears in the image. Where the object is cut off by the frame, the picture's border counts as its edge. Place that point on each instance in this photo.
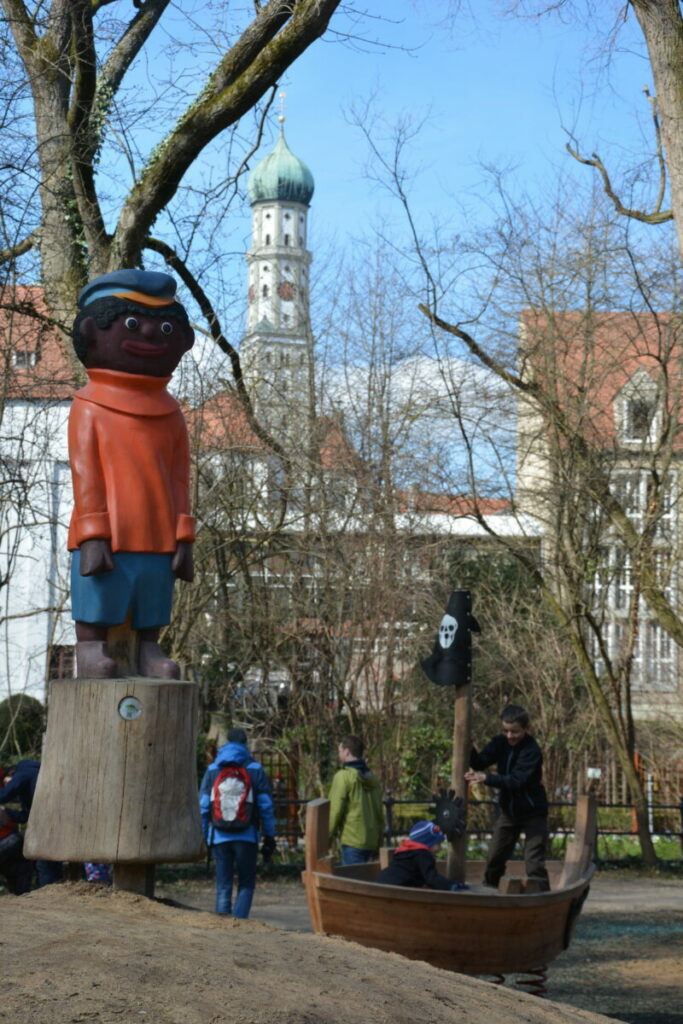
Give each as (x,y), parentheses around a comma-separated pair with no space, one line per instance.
(140,582)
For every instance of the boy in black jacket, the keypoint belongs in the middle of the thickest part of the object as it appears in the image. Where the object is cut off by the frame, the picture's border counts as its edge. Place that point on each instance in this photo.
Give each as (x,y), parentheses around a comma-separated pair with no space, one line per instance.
(522,799)
(414,863)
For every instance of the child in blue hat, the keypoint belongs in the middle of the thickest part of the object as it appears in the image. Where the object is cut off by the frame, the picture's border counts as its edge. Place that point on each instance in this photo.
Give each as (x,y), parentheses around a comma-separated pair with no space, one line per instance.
(414,862)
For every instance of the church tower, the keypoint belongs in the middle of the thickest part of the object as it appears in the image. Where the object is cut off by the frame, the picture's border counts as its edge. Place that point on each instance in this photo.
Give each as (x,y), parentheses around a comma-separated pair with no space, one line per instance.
(275,349)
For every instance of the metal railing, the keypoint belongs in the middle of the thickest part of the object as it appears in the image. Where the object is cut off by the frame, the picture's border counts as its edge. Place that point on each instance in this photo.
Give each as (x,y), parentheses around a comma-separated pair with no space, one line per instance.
(666,819)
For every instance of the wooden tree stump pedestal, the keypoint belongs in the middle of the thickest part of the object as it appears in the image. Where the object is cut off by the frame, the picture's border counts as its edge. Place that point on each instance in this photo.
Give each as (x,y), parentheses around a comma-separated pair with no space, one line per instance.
(118,778)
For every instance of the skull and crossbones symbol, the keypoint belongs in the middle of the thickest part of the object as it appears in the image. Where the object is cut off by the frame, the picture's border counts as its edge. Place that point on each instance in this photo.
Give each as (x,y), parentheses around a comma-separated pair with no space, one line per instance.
(447,631)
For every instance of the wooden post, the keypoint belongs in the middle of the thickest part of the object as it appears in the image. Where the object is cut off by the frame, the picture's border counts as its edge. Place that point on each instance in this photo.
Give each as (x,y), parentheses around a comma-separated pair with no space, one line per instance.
(118,779)
(317,836)
(450,664)
(137,878)
(462,726)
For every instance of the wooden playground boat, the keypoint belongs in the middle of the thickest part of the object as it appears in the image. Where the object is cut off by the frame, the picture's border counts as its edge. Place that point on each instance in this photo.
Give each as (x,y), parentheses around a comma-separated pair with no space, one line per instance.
(476,931)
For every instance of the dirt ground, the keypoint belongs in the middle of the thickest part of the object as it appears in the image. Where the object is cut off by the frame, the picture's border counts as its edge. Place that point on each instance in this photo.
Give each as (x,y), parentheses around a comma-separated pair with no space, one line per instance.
(81,953)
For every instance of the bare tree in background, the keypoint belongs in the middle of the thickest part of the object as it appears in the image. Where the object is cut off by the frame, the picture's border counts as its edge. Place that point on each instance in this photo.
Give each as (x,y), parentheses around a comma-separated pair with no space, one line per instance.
(80,113)
(300,612)
(604,488)
(661,24)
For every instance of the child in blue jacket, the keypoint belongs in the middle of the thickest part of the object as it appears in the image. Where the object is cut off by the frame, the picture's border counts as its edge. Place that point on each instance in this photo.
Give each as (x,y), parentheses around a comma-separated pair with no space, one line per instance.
(235,852)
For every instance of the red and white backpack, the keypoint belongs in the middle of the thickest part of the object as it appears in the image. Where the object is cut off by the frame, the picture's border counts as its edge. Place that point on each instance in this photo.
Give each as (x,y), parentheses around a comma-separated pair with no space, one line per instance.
(232,798)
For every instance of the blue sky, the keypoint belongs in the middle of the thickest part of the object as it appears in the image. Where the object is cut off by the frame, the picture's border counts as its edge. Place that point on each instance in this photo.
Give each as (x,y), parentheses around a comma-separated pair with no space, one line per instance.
(493,89)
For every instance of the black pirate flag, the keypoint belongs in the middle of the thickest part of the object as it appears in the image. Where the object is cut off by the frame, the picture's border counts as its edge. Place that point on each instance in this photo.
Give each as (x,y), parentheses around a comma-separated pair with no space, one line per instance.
(450,663)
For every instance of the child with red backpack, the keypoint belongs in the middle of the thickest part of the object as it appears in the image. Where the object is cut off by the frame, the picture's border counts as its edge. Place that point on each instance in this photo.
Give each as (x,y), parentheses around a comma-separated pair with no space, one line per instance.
(235,803)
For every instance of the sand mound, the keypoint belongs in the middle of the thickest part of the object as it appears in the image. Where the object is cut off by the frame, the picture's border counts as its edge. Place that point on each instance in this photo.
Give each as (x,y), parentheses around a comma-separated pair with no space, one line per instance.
(82,953)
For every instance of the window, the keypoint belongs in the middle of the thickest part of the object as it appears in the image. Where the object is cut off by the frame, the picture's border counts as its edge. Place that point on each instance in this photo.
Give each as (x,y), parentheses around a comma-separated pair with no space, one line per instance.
(264,291)
(267,239)
(639,420)
(286,240)
(655,659)
(640,495)
(24,358)
(61,662)
(637,409)
(654,664)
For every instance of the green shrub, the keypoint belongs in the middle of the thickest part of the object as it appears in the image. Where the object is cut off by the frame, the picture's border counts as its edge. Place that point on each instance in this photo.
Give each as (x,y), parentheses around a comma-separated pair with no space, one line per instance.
(22,722)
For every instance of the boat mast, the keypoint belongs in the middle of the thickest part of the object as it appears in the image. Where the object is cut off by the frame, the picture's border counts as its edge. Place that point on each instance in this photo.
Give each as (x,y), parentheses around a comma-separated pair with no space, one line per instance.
(450,664)
(462,730)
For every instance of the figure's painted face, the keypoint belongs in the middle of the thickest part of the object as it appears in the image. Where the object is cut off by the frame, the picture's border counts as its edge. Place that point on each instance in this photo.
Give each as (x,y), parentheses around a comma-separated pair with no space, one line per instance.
(447,631)
(137,343)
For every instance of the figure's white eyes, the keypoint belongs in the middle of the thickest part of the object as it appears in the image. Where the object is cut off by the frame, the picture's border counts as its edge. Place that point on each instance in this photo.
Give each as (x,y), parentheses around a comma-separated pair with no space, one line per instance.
(166,328)
(131,323)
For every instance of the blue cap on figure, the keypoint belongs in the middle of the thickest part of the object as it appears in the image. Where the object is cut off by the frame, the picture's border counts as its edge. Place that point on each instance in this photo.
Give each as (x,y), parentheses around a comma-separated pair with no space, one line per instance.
(144,287)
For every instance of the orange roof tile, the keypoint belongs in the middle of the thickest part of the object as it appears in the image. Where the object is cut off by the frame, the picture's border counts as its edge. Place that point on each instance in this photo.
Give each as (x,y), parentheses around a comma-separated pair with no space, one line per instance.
(220,424)
(457,505)
(585,362)
(32,352)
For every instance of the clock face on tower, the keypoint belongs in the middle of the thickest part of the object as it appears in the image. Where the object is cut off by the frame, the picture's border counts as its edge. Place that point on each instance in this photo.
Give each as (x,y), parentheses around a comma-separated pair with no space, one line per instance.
(286,290)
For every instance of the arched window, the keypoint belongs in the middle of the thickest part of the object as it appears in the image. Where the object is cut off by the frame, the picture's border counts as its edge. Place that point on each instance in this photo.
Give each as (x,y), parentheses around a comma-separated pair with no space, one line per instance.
(264,291)
(638,409)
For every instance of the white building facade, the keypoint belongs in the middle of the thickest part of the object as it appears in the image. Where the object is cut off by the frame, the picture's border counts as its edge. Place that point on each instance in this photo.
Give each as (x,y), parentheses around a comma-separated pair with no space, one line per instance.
(37,633)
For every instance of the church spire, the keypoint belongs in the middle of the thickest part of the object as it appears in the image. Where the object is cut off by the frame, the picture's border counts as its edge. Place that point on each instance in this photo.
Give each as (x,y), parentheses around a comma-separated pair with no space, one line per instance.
(275,348)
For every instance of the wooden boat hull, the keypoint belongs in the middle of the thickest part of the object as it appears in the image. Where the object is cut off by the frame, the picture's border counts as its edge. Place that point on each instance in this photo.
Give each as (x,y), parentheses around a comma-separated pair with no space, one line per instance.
(466,932)
(472,932)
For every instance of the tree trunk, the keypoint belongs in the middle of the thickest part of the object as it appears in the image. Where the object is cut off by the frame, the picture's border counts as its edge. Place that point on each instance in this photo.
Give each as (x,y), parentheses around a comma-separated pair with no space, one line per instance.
(662,26)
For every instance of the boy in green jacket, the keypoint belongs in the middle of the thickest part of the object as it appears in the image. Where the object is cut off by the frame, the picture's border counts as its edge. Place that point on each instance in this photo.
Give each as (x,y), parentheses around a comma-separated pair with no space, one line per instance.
(356,805)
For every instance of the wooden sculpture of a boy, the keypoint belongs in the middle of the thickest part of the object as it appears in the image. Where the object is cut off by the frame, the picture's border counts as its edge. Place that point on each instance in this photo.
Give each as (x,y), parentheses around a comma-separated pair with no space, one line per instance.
(131,531)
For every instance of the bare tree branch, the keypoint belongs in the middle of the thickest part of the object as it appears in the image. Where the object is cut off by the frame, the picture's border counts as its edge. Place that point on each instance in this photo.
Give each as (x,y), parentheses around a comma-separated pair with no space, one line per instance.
(208,312)
(14,251)
(126,50)
(243,76)
(657,216)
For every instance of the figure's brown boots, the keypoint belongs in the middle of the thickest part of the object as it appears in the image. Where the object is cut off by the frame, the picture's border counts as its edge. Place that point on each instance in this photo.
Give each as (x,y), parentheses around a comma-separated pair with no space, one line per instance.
(93,661)
(154,664)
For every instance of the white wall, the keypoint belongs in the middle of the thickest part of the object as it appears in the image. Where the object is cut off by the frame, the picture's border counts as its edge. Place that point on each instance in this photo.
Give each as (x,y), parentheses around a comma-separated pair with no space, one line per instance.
(34,515)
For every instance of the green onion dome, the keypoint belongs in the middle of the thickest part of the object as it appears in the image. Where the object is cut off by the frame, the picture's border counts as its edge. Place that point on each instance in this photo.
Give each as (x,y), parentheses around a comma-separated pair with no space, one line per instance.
(281,175)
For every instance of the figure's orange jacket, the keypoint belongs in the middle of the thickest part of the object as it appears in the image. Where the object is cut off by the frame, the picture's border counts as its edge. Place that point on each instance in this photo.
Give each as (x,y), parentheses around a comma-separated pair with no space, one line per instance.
(130,464)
